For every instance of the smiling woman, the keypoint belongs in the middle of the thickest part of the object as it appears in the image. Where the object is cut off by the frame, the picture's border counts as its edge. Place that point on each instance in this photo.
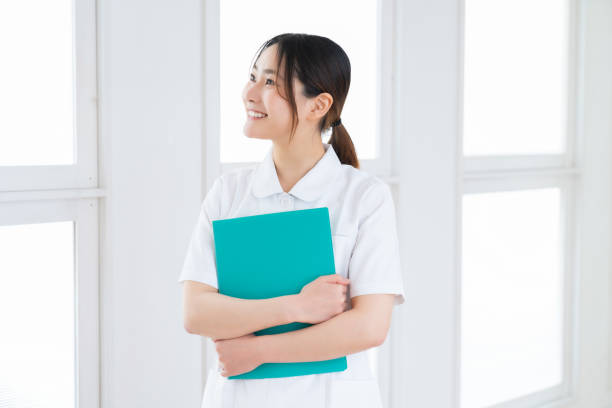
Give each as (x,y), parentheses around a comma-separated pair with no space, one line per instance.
(297,87)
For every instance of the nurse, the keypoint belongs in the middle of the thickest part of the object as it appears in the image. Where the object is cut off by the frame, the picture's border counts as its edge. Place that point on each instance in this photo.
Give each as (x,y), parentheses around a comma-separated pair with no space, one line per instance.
(296,89)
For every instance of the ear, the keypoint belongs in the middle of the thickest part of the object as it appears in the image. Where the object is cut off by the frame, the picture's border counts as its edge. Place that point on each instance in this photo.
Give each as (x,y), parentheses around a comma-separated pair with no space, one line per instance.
(320,104)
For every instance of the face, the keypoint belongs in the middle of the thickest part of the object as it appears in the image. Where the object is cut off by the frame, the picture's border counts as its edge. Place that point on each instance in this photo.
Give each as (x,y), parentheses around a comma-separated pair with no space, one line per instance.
(260,94)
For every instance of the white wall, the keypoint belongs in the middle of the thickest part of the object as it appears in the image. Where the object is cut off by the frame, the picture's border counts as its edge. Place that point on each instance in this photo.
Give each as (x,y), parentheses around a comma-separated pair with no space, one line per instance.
(427,159)
(150,147)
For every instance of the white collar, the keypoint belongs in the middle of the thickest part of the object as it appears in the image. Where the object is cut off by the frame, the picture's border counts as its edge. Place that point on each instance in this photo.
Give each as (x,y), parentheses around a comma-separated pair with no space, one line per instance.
(309,188)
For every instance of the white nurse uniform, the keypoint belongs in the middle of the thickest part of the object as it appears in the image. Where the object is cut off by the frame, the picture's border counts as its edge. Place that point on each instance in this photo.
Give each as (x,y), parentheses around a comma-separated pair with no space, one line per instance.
(366,250)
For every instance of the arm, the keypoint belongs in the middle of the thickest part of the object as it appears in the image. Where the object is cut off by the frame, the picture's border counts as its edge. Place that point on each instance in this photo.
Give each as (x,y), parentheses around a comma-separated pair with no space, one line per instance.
(364,326)
(211,314)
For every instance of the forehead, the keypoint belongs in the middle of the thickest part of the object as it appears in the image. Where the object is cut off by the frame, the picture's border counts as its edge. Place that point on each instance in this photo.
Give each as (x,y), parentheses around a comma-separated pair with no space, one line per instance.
(266,63)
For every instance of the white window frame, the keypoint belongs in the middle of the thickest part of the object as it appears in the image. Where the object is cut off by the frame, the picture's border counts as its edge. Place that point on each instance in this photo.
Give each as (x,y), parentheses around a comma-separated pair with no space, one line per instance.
(83,212)
(380,166)
(434,176)
(39,194)
(522,172)
(83,173)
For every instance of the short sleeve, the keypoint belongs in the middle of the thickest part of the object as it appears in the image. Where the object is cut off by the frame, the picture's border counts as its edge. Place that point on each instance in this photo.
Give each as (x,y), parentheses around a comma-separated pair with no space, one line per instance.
(200,262)
(374,266)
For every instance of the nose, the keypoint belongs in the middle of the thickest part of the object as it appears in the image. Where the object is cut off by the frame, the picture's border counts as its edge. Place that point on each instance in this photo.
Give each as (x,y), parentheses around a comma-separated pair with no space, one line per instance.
(251,92)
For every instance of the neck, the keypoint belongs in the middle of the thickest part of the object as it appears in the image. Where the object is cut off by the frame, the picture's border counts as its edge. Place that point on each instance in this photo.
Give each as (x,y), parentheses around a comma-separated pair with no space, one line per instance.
(294,160)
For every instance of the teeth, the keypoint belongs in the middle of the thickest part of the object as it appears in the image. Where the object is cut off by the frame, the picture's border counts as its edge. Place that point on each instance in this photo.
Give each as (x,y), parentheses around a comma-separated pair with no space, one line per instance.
(256,115)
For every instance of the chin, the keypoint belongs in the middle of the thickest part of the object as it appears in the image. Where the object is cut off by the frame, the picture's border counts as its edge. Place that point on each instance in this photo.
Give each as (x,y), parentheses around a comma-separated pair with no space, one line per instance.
(254,135)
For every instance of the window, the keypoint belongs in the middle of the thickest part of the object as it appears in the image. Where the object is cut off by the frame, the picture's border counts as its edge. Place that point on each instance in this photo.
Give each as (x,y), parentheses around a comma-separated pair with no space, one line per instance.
(519,161)
(366,113)
(48,204)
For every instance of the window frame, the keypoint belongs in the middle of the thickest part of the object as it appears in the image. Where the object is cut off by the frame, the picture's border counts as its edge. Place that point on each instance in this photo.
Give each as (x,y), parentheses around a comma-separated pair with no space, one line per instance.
(522,172)
(83,173)
(50,193)
(433,176)
(83,212)
(382,166)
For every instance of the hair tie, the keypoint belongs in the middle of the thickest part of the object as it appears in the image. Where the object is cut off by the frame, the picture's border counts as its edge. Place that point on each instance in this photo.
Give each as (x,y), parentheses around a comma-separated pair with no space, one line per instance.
(336,123)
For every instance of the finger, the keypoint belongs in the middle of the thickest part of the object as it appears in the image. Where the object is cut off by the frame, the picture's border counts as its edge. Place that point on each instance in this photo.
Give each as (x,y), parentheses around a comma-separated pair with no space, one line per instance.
(337,278)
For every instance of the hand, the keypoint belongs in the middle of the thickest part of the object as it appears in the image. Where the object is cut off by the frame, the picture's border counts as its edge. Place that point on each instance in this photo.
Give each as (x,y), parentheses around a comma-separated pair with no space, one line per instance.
(238,355)
(322,299)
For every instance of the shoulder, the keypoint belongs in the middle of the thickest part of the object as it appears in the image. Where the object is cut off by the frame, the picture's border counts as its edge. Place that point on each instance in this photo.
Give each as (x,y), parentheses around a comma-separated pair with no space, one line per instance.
(367,193)
(232,180)
(363,183)
(227,187)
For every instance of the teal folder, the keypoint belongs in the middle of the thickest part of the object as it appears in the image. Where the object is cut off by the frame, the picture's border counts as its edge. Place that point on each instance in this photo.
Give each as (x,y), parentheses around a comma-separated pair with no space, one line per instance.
(276,254)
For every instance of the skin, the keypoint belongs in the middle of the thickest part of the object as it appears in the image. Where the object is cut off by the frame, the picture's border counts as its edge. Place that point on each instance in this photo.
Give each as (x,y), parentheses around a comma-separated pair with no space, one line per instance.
(367,323)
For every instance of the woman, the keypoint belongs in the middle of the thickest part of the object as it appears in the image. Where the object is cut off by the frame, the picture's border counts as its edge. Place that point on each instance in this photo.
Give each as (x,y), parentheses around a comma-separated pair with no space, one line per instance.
(296,90)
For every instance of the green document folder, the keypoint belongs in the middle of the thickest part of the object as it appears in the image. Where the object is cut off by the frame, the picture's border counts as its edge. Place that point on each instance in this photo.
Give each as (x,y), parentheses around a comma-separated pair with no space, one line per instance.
(269,255)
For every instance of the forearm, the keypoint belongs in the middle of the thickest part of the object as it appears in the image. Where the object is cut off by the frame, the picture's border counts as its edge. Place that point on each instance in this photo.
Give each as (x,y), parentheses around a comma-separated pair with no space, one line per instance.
(219,316)
(343,334)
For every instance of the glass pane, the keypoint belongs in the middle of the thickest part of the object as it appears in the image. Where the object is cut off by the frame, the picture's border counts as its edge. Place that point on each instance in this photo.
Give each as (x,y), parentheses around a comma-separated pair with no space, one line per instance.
(515,80)
(36,79)
(37,346)
(272,17)
(512,295)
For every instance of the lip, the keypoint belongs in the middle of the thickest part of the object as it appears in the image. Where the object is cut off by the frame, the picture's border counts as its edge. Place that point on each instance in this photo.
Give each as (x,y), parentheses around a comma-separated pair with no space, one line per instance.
(256,111)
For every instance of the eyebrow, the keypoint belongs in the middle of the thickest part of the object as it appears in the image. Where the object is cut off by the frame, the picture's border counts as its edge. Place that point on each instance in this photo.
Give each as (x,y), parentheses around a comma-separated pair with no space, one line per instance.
(266,71)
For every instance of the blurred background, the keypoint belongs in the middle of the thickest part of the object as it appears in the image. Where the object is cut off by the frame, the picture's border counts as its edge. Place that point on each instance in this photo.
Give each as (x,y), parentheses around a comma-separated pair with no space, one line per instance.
(490,119)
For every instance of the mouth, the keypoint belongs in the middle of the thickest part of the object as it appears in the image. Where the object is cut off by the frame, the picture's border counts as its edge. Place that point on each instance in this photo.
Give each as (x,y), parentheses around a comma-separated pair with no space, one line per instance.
(255,115)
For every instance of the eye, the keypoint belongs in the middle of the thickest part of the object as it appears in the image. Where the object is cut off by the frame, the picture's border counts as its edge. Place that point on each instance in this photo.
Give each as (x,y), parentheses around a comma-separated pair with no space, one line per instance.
(253,79)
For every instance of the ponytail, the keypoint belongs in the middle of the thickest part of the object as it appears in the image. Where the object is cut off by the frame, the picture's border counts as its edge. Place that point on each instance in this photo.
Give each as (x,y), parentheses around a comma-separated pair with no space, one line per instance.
(341,141)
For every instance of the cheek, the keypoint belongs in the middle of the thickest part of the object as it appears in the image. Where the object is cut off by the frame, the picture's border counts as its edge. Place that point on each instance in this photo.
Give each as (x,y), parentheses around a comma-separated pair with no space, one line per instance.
(279,107)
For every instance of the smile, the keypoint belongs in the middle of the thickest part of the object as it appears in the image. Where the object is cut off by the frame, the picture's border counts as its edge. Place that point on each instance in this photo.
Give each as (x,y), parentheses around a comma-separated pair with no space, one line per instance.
(255,115)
